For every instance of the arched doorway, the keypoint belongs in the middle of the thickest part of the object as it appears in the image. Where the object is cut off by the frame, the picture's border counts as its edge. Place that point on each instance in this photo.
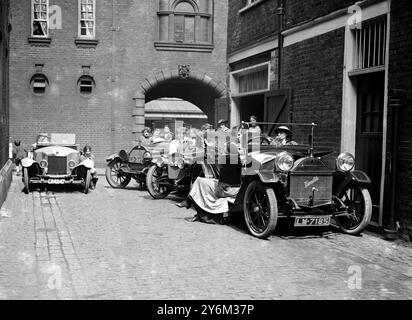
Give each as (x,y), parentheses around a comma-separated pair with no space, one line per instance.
(193,86)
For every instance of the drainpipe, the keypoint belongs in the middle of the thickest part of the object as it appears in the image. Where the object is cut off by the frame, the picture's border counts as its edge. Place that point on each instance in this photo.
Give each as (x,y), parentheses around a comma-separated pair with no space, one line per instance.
(281,13)
(112,85)
(396,101)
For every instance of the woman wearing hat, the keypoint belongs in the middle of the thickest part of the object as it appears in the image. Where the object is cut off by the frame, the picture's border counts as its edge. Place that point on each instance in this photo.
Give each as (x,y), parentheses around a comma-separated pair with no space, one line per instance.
(283,137)
(221,125)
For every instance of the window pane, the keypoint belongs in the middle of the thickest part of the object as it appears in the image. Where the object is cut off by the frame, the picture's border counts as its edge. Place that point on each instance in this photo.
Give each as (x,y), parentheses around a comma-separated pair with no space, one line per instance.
(204,29)
(179,28)
(189,29)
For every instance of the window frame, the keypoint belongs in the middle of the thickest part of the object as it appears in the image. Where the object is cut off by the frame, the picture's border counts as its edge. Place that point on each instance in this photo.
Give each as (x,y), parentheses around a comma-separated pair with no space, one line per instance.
(250,4)
(196,45)
(235,79)
(39,76)
(92,85)
(40,20)
(79,28)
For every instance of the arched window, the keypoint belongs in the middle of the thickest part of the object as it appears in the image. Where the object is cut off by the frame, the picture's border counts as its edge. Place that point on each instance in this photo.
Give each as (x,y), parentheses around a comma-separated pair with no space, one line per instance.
(86,85)
(185,23)
(39,84)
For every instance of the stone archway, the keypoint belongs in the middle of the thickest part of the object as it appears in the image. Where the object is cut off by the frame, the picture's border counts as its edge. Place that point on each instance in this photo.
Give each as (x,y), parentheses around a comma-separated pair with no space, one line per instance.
(183,76)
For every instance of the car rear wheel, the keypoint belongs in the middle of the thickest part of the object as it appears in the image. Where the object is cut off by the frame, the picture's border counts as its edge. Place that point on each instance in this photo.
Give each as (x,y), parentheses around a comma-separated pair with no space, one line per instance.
(156,190)
(115,177)
(260,209)
(359,203)
(26,180)
(87,182)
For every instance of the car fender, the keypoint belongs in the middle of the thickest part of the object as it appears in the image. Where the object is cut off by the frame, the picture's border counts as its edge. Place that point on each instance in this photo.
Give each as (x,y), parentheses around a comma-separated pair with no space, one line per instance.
(342,180)
(268,177)
(83,166)
(27,162)
(111,157)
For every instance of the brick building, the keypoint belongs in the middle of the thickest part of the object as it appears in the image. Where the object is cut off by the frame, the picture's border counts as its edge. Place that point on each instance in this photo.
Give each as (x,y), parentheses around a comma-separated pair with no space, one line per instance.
(5,165)
(340,62)
(88,67)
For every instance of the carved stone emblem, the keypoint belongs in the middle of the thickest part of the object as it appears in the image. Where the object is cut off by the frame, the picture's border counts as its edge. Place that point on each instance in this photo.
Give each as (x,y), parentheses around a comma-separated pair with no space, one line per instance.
(184,71)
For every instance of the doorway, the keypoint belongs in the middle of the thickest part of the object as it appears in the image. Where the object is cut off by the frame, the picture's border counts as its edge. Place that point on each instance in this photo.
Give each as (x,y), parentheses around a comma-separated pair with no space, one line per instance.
(369,132)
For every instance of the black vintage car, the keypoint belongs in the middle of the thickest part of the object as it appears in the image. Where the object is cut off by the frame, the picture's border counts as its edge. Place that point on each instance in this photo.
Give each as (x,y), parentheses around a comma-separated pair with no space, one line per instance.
(294,181)
(123,166)
(176,171)
(56,160)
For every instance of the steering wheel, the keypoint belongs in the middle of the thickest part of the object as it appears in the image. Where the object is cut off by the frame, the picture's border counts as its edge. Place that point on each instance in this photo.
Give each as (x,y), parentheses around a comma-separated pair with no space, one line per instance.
(262,140)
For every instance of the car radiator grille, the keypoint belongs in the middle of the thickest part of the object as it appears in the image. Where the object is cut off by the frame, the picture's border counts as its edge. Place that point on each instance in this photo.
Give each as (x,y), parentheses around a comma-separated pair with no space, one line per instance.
(136,156)
(57,165)
(301,188)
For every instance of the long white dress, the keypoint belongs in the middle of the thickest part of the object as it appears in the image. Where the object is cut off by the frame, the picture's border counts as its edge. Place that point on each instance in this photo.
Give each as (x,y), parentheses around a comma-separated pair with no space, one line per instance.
(212,196)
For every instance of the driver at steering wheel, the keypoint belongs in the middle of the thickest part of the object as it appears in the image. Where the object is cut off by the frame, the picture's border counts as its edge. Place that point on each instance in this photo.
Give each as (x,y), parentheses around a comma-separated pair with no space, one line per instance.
(283,137)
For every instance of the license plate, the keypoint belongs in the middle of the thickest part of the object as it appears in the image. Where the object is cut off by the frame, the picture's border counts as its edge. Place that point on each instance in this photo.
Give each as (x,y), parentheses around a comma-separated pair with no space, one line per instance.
(312,221)
(56,181)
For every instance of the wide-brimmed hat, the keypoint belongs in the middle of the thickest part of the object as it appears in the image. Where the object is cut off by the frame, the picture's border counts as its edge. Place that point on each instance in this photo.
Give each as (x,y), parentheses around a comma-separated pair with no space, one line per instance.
(147,129)
(221,121)
(283,129)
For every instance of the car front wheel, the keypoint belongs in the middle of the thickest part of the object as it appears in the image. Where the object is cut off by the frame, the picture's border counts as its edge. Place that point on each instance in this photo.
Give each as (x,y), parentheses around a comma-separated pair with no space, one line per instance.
(359,207)
(87,182)
(26,180)
(155,188)
(115,177)
(260,209)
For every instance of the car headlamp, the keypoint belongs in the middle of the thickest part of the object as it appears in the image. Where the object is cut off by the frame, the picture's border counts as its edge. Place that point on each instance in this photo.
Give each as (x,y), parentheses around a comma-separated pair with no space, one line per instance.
(345,162)
(284,161)
(72,164)
(147,155)
(43,164)
(160,162)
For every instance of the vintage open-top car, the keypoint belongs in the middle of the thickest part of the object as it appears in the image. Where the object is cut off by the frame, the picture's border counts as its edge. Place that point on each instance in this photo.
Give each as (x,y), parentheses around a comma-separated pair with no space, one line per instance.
(293,181)
(56,159)
(176,170)
(123,166)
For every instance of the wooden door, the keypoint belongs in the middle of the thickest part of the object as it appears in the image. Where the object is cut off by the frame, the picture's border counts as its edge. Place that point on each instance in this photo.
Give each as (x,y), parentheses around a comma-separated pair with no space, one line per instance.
(369,132)
(277,107)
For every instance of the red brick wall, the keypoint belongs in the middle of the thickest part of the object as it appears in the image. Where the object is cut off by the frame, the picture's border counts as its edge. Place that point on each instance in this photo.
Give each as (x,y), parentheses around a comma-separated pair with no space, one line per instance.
(400,77)
(118,71)
(249,27)
(4,86)
(313,69)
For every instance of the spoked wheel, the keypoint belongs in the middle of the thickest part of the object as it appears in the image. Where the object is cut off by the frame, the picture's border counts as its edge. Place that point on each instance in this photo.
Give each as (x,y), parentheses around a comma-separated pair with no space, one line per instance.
(359,203)
(115,177)
(87,182)
(260,209)
(26,180)
(157,190)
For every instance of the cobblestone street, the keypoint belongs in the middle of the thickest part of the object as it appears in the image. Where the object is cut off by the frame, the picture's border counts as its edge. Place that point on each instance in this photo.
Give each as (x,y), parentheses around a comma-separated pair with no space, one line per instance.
(121,244)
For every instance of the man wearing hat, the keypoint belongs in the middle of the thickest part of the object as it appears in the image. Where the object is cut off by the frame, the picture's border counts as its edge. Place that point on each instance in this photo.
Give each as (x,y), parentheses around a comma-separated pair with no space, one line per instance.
(283,137)
(221,125)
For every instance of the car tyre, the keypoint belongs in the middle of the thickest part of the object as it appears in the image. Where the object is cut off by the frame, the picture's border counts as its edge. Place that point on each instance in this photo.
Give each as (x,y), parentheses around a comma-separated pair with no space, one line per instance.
(156,191)
(26,180)
(113,177)
(87,182)
(359,203)
(260,209)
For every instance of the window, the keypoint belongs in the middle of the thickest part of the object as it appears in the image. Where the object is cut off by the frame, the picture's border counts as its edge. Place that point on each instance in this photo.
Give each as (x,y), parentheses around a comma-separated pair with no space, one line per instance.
(185,23)
(86,85)
(40,18)
(87,15)
(370,45)
(250,80)
(39,84)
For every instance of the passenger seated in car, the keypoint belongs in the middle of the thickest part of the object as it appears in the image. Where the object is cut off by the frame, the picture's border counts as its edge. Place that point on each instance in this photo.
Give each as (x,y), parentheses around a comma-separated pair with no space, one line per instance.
(283,137)
(87,154)
(211,197)
(146,137)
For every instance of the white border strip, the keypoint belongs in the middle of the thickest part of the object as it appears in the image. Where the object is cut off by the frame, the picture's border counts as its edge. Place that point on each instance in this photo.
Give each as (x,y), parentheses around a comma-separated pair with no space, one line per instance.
(249,52)
(327,24)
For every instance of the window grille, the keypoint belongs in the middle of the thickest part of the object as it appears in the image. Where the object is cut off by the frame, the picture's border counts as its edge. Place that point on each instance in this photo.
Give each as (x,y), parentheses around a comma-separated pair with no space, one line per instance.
(370,44)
